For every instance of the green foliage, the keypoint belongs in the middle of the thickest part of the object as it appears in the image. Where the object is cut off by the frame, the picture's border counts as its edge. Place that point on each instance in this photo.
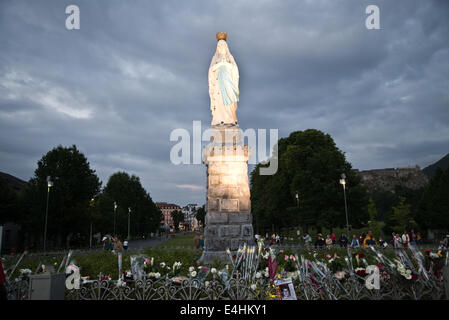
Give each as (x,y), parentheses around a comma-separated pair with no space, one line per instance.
(74,184)
(401,217)
(434,204)
(177,217)
(310,164)
(127,192)
(8,203)
(374,225)
(201,214)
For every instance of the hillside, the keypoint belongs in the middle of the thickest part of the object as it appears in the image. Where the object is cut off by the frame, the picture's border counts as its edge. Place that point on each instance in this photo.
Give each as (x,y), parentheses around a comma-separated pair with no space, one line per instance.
(443,163)
(387,179)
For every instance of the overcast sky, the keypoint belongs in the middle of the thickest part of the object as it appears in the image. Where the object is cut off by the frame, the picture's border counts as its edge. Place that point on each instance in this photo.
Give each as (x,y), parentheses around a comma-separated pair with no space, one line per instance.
(136,70)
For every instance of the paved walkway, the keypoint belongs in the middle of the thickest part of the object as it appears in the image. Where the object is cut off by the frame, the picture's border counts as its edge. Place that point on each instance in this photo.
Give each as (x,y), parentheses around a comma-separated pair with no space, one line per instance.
(145,243)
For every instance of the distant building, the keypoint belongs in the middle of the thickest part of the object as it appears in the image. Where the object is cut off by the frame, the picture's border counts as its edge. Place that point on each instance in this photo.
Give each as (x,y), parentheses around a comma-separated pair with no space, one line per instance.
(387,179)
(190,221)
(167,209)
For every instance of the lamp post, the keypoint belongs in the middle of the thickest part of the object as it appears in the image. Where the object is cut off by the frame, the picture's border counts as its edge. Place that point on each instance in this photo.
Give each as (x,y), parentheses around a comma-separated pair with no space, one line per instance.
(129,215)
(297,198)
(49,185)
(343,183)
(115,210)
(91,204)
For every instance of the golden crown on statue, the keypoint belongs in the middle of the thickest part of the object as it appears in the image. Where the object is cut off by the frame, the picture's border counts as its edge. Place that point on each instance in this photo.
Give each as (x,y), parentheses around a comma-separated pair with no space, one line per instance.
(221,36)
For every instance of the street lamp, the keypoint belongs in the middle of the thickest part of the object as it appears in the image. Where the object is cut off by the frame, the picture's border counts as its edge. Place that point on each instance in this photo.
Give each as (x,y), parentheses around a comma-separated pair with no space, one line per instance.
(115,210)
(343,183)
(49,185)
(91,204)
(297,198)
(129,214)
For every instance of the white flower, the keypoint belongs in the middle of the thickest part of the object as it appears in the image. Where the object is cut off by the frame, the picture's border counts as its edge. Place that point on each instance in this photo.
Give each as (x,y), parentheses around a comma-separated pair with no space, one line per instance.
(253,287)
(157,275)
(199,267)
(227,267)
(25,271)
(191,269)
(193,273)
(163,264)
(213,270)
(340,275)
(120,283)
(206,283)
(258,275)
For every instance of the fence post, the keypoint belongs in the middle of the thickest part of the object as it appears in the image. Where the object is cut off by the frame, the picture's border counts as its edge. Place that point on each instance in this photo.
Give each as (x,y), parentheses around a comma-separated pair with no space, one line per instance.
(446,280)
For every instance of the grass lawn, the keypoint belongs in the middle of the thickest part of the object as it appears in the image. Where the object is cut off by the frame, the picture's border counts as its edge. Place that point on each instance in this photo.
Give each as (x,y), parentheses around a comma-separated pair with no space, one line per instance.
(179,240)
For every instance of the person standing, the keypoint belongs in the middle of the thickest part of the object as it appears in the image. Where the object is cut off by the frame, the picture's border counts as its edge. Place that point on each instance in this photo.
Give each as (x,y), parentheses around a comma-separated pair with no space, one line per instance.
(3,290)
(118,245)
(333,238)
(196,241)
(362,237)
(329,241)
(418,238)
(319,243)
(202,242)
(343,241)
(355,242)
(405,239)
(369,240)
(307,240)
(125,245)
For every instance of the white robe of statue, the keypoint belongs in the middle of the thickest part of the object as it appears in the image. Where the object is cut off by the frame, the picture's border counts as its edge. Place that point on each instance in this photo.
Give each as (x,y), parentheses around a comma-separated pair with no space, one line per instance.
(223,86)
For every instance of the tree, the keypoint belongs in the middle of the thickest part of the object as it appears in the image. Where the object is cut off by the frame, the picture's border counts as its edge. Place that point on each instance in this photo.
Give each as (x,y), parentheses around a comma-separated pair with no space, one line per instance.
(308,163)
(434,204)
(374,225)
(200,214)
(177,217)
(401,218)
(127,192)
(8,203)
(75,183)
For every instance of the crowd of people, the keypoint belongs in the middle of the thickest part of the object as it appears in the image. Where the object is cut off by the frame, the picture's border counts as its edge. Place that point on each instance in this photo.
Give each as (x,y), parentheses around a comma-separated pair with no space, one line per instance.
(404,240)
(114,244)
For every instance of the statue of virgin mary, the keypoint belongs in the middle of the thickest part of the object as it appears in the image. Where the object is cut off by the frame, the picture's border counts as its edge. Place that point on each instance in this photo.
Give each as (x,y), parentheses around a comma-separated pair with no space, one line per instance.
(223,84)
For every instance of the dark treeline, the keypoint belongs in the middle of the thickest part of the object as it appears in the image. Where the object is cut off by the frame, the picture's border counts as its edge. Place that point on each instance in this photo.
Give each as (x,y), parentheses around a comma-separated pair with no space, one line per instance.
(76,202)
(310,166)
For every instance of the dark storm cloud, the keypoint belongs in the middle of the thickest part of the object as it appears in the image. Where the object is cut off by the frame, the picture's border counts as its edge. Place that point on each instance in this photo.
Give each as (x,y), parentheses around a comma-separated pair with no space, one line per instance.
(137,70)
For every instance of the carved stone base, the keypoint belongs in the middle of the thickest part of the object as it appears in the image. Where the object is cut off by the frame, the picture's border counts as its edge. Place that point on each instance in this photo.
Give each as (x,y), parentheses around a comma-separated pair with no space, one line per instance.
(228,222)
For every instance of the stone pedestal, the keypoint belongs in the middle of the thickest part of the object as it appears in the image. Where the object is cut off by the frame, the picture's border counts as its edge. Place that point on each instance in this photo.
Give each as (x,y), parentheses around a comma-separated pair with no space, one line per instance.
(228,221)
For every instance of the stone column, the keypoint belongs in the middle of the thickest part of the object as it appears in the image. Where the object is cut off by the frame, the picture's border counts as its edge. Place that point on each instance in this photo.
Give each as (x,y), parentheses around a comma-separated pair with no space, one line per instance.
(228,221)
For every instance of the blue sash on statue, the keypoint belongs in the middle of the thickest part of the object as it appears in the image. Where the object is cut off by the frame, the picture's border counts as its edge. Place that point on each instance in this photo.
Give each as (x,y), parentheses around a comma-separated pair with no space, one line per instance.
(225,84)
